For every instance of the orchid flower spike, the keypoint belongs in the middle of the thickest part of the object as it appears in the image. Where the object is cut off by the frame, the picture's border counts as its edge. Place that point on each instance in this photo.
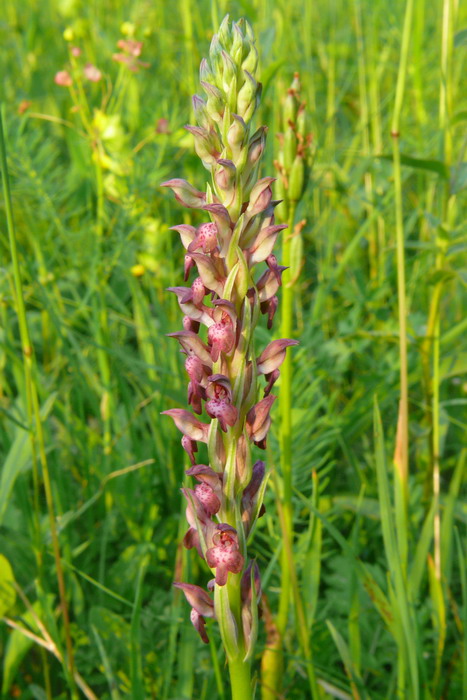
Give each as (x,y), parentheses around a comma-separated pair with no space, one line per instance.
(235,277)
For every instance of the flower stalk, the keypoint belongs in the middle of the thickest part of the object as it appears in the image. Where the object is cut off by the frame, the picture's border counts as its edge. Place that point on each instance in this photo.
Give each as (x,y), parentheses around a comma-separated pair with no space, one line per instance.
(293,165)
(222,307)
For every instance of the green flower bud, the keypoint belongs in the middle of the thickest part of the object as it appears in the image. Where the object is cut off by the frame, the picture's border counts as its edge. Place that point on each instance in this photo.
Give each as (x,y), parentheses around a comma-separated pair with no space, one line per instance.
(215,102)
(290,148)
(296,83)
(248,97)
(301,120)
(290,108)
(297,179)
(225,174)
(296,256)
(230,71)
(207,145)
(281,193)
(201,114)
(243,280)
(224,33)
(237,136)
(249,33)
(215,51)
(205,72)
(238,48)
(251,61)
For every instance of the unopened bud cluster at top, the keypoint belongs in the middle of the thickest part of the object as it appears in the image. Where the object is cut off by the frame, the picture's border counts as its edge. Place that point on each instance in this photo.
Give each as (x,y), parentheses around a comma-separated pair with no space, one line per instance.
(227,296)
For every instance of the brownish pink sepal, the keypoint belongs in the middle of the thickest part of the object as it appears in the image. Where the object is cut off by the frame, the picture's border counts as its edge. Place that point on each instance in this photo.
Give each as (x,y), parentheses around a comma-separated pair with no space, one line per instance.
(190,446)
(206,475)
(192,344)
(198,623)
(197,598)
(201,604)
(271,262)
(258,421)
(185,193)
(199,521)
(185,301)
(188,424)
(223,222)
(269,307)
(264,242)
(269,283)
(242,460)
(260,197)
(271,379)
(187,233)
(273,355)
(209,273)
(197,373)
(250,494)
(224,174)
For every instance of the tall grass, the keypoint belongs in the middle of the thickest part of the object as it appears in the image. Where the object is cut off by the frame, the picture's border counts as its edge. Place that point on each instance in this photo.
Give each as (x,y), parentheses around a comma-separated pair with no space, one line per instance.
(90,513)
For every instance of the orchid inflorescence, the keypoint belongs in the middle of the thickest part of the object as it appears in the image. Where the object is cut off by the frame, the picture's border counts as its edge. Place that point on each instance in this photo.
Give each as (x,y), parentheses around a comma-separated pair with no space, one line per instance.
(227,297)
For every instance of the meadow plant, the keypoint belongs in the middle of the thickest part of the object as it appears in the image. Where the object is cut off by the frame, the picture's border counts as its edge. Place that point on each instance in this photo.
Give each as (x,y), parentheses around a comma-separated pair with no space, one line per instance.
(228,298)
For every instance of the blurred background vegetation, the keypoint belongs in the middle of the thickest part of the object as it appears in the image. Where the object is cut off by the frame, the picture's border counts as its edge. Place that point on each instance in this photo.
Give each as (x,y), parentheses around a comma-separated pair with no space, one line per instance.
(96,255)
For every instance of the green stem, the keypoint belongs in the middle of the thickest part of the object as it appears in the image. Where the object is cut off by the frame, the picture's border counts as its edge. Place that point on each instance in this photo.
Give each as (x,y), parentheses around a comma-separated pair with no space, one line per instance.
(365,129)
(445,113)
(301,621)
(33,402)
(401,458)
(286,423)
(240,679)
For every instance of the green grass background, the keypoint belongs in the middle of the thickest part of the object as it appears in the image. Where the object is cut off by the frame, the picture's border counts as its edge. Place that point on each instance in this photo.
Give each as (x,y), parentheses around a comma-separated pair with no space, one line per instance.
(105,369)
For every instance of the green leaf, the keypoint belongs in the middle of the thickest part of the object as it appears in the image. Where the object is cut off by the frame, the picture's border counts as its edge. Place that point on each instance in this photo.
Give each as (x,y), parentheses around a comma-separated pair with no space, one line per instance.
(438,615)
(421,552)
(375,593)
(447,520)
(7,589)
(433,166)
(459,117)
(440,275)
(458,178)
(18,646)
(111,680)
(346,657)
(460,38)
(404,627)
(18,458)
(463,578)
